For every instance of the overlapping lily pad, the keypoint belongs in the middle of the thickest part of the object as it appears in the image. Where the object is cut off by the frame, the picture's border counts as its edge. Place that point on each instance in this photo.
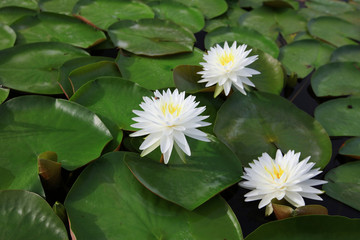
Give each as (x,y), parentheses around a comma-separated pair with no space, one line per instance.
(108,202)
(106,12)
(32,4)
(4,93)
(242,35)
(348,53)
(155,73)
(35,67)
(344,184)
(51,27)
(320,227)
(228,19)
(351,147)
(334,30)
(7,36)
(303,56)
(210,8)
(9,15)
(258,126)
(31,125)
(57,6)
(152,37)
(344,113)
(329,7)
(25,215)
(337,79)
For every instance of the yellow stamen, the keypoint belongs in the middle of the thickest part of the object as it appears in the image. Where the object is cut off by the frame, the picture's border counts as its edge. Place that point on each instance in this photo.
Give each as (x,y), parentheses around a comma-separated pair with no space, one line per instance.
(226,58)
(276,173)
(170,108)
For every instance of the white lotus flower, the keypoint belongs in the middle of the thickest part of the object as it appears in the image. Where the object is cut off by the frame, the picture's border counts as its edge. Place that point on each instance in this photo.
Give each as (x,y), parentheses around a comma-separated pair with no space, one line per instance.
(227,66)
(285,177)
(166,119)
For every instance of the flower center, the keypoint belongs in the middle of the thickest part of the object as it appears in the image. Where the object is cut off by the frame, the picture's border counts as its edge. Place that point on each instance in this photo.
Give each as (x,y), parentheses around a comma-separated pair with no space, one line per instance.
(276,172)
(226,58)
(170,108)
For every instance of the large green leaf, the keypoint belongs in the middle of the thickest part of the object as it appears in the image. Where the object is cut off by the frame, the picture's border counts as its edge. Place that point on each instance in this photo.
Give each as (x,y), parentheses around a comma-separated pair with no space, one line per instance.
(242,35)
(340,116)
(35,67)
(52,27)
(253,124)
(32,4)
(334,30)
(211,168)
(107,202)
(111,11)
(319,227)
(57,6)
(7,36)
(303,56)
(336,79)
(152,37)
(344,184)
(25,215)
(185,16)
(155,73)
(210,8)
(112,99)
(348,53)
(31,125)
(270,22)
(351,147)
(9,15)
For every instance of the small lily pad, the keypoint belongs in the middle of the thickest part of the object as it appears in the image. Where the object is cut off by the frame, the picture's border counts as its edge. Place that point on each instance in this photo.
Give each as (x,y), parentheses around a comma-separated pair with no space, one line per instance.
(348,53)
(351,147)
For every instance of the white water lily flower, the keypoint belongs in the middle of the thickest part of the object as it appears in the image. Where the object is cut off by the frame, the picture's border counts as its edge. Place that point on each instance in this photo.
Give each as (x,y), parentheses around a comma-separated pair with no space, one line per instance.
(285,177)
(166,119)
(227,66)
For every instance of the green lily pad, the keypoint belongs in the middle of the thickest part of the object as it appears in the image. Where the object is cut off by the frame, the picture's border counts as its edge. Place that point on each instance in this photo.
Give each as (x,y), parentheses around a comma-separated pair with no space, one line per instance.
(334,30)
(303,56)
(52,27)
(319,227)
(32,4)
(351,147)
(84,74)
(352,16)
(112,99)
(155,73)
(9,15)
(123,209)
(31,125)
(111,11)
(69,66)
(340,116)
(4,93)
(277,3)
(7,36)
(57,6)
(186,78)
(228,19)
(329,7)
(337,79)
(152,37)
(258,126)
(25,215)
(344,184)
(211,168)
(270,22)
(242,35)
(188,17)
(35,67)
(210,8)
(348,53)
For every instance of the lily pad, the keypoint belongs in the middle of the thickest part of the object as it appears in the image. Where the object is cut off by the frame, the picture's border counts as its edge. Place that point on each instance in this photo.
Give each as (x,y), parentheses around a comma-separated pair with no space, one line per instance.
(344,184)
(334,30)
(244,36)
(52,27)
(258,126)
(329,7)
(4,93)
(35,67)
(152,37)
(7,36)
(25,215)
(186,78)
(228,19)
(210,8)
(348,53)
(9,15)
(57,6)
(277,3)
(319,227)
(31,125)
(111,11)
(211,168)
(123,209)
(303,56)
(340,116)
(155,73)
(351,147)
(32,4)
(337,79)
